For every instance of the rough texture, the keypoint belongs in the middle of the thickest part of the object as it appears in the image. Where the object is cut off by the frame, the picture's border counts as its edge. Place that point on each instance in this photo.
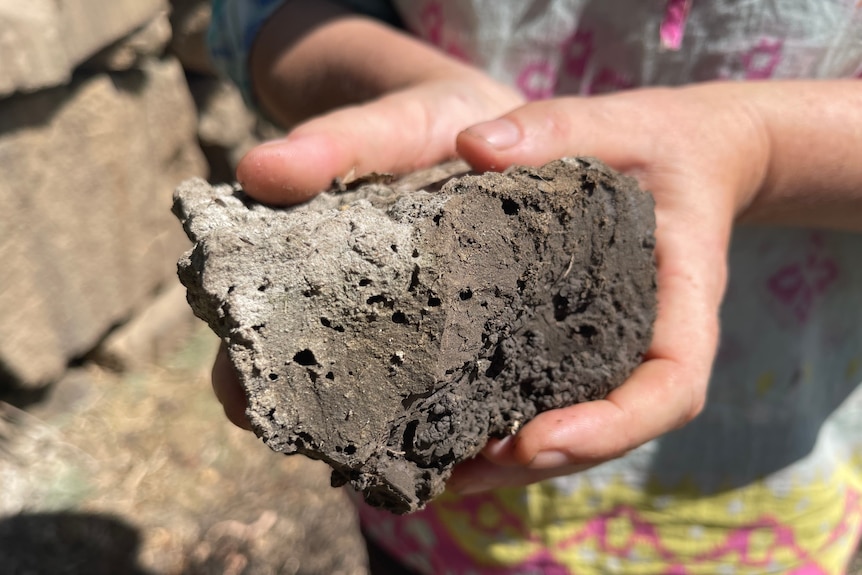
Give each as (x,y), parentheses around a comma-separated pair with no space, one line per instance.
(226,128)
(42,41)
(154,332)
(389,333)
(84,233)
(147,42)
(190,20)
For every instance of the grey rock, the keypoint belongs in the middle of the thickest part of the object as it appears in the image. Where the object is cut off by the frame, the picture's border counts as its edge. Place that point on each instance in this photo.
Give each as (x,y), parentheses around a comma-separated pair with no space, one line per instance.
(43,41)
(224,120)
(190,20)
(148,41)
(151,334)
(391,332)
(85,236)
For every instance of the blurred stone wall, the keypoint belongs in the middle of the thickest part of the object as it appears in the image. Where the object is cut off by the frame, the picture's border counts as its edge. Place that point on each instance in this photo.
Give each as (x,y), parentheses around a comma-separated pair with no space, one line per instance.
(105,106)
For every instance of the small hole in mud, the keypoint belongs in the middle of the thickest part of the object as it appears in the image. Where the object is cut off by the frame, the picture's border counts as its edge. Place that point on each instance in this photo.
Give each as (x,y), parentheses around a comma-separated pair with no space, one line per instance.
(312,375)
(262,287)
(399,317)
(414,279)
(498,363)
(325,322)
(465,294)
(415,253)
(561,307)
(521,285)
(231,289)
(588,185)
(329,375)
(434,301)
(365,282)
(410,432)
(394,248)
(258,327)
(350,450)
(376,299)
(510,207)
(437,219)
(305,357)
(273,376)
(587,331)
(396,359)
(311,292)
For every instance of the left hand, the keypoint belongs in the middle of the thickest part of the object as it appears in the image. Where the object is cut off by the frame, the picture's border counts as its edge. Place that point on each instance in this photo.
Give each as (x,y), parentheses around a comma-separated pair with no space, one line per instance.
(703,155)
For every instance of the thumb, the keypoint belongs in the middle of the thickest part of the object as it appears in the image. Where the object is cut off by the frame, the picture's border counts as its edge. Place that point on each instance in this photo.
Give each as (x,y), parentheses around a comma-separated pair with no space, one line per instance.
(400,132)
(539,132)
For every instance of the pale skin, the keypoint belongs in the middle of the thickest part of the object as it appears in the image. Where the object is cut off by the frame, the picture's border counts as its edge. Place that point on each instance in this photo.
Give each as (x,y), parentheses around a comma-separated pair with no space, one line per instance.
(363,97)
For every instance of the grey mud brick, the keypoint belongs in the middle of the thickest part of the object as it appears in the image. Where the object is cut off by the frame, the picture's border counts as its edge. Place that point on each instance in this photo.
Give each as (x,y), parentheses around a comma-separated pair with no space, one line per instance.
(389,333)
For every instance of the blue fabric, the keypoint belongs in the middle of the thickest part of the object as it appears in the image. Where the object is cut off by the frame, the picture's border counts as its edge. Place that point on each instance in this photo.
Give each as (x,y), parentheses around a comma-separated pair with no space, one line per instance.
(236,23)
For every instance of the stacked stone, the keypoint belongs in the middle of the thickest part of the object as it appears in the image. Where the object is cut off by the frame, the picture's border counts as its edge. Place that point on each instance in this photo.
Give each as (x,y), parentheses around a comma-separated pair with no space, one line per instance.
(97,127)
(227,129)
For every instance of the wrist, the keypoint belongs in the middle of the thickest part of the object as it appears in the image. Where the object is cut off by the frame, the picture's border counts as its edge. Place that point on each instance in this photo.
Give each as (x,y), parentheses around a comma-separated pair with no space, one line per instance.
(342,58)
(811,174)
(745,141)
(755,153)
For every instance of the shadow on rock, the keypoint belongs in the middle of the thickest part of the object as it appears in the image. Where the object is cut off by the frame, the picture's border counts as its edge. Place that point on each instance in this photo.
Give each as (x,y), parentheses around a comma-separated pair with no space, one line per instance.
(66,543)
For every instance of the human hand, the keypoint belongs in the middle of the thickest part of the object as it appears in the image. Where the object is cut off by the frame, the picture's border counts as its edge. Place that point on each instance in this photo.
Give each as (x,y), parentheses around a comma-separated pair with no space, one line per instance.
(703,155)
(697,150)
(777,153)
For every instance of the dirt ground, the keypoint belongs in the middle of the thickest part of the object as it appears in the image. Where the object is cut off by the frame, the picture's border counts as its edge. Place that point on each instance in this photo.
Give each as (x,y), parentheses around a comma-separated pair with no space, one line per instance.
(141,474)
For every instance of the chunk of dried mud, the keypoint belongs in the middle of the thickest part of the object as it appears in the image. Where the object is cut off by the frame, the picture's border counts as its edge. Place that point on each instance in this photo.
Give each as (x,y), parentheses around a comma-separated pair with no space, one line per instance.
(390,332)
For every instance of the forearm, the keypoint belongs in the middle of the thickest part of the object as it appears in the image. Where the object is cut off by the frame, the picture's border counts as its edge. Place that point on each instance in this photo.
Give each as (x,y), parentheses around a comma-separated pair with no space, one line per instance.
(813,130)
(317,47)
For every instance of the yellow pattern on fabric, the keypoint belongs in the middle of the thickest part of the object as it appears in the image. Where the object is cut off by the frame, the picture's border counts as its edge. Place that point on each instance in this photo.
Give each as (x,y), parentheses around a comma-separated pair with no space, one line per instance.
(506,543)
(765,383)
(853,367)
(617,528)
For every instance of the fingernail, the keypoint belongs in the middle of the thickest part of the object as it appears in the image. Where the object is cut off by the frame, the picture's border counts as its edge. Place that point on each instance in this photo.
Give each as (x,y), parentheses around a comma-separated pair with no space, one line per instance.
(498,447)
(472,487)
(549,459)
(500,134)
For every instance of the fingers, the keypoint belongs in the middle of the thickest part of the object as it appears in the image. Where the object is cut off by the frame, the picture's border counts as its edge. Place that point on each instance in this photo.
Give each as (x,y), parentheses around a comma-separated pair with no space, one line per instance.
(694,211)
(480,474)
(663,393)
(543,131)
(228,389)
(398,133)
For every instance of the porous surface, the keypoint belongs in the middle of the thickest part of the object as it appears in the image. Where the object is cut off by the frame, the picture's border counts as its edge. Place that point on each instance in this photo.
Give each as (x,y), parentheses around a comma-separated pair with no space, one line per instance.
(389,333)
